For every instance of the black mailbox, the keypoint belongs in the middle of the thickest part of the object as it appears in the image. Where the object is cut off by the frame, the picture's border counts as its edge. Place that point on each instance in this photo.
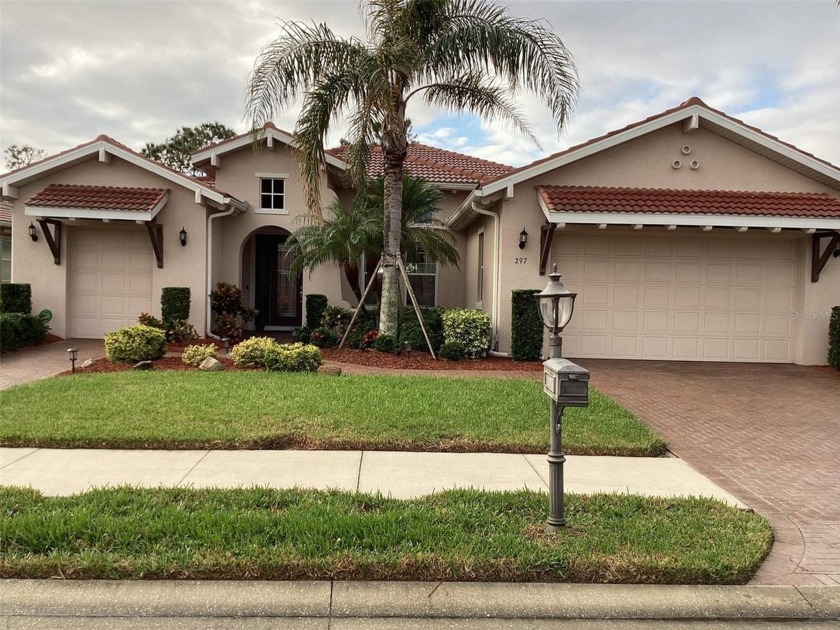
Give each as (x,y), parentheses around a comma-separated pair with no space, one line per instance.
(566,383)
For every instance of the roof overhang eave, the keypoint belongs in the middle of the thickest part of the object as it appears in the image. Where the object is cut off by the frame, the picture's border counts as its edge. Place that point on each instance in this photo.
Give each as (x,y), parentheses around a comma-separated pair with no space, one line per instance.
(706,221)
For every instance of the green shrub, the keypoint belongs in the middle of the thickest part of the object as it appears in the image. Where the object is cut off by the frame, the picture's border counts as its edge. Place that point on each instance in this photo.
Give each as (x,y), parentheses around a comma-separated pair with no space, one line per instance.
(175,304)
(19,330)
(336,318)
(252,352)
(195,355)
(453,350)
(384,343)
(834,338)
(296,357)
(315,305)
(135,343)
(471,327)
(526,329)
(432,317)
(302,334)
(180,330)
(230,314)
(323,338)
(412,334)
(15,297)
(148,319)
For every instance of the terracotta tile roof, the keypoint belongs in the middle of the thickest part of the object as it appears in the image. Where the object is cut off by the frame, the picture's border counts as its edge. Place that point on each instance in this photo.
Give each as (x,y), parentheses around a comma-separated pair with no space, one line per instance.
(669,201)
(684,105)
(437,165)
(5,212)
(99,197)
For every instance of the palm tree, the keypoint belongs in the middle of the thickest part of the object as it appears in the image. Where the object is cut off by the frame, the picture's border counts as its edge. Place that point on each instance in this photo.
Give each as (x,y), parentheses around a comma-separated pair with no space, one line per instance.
(349,233)
(461,55)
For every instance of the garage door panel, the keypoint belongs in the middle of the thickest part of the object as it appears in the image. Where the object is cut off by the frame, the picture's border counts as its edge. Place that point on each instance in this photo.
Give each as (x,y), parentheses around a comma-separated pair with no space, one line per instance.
(110,279)
(703,297)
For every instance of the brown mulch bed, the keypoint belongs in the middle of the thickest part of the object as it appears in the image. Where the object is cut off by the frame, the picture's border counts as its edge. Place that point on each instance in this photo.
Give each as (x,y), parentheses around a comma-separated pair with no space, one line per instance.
(423,361)
(164,363)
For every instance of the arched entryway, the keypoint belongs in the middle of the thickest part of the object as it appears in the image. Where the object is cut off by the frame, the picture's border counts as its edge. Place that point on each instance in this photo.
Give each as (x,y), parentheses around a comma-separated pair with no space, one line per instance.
(273,290)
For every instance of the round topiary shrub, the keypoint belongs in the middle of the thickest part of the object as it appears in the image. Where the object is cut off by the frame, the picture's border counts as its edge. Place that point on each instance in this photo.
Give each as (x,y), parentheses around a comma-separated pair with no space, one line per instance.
(453,350)
(252,352)
(295,357)
(470,327)
(195,355)
(135,343)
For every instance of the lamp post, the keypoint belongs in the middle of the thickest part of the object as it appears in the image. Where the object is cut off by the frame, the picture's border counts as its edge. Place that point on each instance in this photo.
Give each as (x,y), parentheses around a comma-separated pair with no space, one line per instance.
(226,341)
(556,304)
(73,353)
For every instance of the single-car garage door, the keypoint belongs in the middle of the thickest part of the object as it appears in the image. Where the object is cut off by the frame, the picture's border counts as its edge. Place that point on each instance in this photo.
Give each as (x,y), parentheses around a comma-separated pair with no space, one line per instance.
(110,280)
(690,298)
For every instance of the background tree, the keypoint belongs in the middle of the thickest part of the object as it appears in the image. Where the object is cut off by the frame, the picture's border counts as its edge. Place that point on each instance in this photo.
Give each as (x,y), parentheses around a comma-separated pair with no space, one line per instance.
(461,55)
(18,156)
(175,152)
(347,234)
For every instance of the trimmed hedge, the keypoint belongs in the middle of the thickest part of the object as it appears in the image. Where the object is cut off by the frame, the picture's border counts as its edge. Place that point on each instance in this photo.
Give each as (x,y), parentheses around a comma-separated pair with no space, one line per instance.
(834,338)
(135,343)
(469,326)
(316,304)
(252,351)
(296,357)
(18,330)
(526,329)
(175,304)
(196,354)
(15,297)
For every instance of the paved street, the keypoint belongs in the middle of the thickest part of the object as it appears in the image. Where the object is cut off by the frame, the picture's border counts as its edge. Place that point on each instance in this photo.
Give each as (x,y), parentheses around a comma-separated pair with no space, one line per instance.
(768,434)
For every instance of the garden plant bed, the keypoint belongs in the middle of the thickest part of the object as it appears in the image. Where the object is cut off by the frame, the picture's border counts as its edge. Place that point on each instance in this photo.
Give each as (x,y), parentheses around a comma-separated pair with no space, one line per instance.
(269,410)
(462,535)
(424,361)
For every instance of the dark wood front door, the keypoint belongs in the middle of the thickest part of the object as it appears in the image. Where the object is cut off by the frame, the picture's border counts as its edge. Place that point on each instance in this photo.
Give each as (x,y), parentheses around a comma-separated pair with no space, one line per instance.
(279,293)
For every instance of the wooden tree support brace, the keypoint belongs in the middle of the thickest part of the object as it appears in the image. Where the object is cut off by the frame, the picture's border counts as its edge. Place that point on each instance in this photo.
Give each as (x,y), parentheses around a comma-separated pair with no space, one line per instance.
(53,238)
(546,237)
(416,306)
(361,304)
(819,258)
(156,236)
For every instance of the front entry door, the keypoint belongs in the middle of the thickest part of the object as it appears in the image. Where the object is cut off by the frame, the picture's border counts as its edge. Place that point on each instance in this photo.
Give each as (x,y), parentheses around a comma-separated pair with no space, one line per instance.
(279,292)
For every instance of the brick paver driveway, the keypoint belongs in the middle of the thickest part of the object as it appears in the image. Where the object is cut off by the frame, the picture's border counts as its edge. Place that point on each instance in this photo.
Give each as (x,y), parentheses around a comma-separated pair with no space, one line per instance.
(769,434)
(30,364)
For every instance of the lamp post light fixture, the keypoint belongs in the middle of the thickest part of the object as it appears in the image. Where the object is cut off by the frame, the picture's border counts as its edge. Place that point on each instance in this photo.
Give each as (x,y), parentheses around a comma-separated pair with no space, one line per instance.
(523,238)
(73,353)
(182,237)
(33,232)
(556,304)
(226,341)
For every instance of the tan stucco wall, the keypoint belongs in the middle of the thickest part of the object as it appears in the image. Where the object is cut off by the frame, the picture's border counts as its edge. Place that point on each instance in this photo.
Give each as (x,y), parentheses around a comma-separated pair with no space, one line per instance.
(183,266)
(646,162)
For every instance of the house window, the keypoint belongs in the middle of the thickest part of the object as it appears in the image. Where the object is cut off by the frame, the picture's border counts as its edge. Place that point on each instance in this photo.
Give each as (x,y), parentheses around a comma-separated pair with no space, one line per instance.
(422,275)
(5,254)
(272,194)
(480,285)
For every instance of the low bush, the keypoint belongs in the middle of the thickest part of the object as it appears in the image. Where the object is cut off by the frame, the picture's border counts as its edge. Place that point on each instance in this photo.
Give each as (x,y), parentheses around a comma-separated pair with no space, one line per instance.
(296,357)
(384,343)
(180,330)
(135,343)
(323,338)
(195,355)
(302,334)
(252,352)
(526,328)
(834,338)
(231,314)
(147,319)
(432,317)
(453,350)
(175,304)
(315,305)
(470,327)
(19,330)
(336,318)
(15,297)
(412,334)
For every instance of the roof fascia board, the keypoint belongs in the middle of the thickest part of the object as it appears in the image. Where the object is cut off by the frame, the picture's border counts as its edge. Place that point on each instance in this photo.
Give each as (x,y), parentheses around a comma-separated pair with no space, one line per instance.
(691,220)
(48,212)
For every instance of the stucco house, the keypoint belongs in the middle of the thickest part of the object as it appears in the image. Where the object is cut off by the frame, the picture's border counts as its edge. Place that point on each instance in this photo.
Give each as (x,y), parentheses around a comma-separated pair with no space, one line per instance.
(687,236)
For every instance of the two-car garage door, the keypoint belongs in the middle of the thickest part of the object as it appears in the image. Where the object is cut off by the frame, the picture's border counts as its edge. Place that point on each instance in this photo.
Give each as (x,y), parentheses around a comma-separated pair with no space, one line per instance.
(110,280)
(691,298)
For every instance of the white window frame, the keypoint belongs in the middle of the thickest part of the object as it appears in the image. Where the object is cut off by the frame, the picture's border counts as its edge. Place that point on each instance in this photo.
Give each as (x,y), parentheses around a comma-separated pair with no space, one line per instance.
(363,280)
(406,299)
(272,176)
(479,291)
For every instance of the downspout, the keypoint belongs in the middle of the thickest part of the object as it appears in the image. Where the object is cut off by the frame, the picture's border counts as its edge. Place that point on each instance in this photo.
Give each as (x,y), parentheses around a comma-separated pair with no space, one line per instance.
(494,309)
(209,314)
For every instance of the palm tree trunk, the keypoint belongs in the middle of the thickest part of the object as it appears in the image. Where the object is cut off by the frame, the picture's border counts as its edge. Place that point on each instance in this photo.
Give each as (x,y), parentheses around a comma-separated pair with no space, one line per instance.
(394,150)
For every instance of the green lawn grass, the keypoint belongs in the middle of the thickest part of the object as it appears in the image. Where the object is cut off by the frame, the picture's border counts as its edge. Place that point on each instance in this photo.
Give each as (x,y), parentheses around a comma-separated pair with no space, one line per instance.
(276,410)
(295,534)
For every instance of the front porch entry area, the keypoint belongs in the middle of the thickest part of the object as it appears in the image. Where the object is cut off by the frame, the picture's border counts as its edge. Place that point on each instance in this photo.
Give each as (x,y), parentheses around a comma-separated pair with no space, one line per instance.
(270,285)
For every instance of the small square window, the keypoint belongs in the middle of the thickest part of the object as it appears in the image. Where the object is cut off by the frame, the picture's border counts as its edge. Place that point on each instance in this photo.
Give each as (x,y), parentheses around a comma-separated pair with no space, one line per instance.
(272,194)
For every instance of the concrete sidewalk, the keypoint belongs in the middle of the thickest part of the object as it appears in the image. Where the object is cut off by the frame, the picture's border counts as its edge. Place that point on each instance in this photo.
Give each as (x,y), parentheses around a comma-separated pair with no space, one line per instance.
(399,474)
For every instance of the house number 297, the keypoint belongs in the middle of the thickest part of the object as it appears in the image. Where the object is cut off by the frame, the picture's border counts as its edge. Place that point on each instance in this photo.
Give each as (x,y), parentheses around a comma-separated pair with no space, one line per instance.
(520,261)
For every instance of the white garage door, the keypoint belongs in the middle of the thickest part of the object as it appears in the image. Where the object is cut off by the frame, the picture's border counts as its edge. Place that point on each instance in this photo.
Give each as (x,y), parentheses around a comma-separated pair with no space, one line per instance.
(110,280)
(689,298)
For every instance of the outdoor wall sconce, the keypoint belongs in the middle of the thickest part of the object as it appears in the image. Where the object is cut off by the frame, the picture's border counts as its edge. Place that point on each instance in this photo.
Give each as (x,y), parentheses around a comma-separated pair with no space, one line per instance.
(33,232)
(182,236)
(523,238)
(73,353)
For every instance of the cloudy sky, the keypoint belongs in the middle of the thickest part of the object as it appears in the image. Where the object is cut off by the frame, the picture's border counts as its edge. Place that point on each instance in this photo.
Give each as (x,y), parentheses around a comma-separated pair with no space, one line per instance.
(137,70)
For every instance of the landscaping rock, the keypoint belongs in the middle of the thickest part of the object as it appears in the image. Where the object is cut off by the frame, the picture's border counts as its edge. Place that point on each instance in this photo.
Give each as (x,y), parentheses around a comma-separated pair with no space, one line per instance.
(330,370)
(87,363)
(211,365)
(143,365)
